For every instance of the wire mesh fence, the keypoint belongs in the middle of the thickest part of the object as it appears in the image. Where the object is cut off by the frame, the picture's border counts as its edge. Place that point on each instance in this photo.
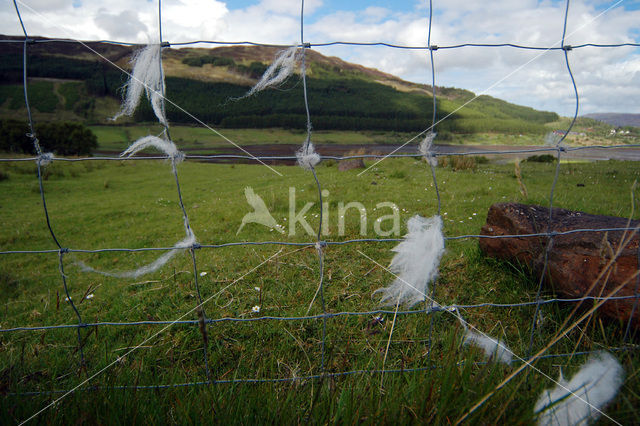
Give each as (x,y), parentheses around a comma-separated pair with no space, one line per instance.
(84,328)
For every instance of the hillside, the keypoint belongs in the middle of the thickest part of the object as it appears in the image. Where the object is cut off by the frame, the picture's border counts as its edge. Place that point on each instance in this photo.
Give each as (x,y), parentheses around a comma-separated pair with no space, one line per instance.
(616,119)
(70,82)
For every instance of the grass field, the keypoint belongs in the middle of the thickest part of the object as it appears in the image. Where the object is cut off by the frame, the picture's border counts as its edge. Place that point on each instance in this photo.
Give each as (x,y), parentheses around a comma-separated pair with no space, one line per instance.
(204,141)
(131,204)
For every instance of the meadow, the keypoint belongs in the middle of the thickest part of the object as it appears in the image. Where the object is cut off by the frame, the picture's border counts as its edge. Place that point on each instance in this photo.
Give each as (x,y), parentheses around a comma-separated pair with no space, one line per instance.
(133,204)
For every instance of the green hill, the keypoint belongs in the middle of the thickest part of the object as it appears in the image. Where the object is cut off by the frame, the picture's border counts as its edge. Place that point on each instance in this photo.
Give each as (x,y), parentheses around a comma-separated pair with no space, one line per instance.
(70,82)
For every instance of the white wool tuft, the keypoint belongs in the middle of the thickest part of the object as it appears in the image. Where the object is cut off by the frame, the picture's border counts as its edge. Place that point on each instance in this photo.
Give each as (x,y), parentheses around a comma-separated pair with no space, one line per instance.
(416,262)
(425,148)
(307,156)
(597,383)
(147,75)
(427,143)
(45,158)
(281,68)
(187,242)
(166,146)
(491,347)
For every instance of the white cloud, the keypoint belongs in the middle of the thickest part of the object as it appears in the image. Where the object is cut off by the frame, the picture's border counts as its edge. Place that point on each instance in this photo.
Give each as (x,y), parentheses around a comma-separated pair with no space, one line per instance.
(124,24)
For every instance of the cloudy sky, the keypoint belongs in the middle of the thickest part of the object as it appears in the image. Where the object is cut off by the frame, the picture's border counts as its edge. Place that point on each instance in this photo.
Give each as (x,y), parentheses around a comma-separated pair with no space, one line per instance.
(608,79)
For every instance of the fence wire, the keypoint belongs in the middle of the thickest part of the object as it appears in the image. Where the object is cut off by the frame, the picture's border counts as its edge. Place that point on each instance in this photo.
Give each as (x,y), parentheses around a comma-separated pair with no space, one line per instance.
(203,322)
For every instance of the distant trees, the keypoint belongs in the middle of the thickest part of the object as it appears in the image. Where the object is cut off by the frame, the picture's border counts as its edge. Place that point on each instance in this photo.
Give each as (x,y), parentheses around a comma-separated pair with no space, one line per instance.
(59,138)
(254,70)
(198,61)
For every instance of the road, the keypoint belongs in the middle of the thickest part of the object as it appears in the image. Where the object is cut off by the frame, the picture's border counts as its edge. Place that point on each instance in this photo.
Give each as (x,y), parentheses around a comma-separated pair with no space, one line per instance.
(494,152)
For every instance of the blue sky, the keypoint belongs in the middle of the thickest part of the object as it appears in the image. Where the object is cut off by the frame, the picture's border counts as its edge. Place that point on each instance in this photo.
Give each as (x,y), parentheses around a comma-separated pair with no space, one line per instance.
(607,79)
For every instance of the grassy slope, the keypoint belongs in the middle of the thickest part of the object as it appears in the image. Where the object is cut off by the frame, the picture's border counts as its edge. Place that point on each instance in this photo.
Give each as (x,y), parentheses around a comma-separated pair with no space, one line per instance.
(133,204)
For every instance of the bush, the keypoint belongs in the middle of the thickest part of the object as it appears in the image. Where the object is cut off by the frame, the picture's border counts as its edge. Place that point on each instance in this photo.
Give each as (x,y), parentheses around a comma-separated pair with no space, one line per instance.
(67,138)
(13,137)
(254,70)
(458,162)
(60,138)
(216,61)
(544,158)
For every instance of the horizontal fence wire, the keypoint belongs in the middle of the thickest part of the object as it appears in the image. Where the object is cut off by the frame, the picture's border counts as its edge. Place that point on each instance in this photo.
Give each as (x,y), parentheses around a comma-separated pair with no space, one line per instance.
(330,43)
(327,315)
(319,244)
(435,153)
(309,377)
(314,243)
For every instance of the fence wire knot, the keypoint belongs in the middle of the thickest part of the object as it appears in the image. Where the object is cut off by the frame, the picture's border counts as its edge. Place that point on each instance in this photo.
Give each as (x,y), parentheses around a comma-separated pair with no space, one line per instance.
(45,158)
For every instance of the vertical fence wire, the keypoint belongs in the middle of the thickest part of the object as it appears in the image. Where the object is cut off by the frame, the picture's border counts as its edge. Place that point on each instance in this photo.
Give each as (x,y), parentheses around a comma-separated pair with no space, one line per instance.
(43,159)
(306,148)
(560,149)
(200,310)
(430,163)
(637,286)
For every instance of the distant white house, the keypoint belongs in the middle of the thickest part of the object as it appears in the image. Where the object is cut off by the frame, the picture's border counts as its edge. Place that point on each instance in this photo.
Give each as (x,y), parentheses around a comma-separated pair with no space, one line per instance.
(619,132)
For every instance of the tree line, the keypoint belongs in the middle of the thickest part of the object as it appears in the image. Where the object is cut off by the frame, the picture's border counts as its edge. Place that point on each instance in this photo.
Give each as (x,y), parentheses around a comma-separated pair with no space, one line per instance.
(59,138)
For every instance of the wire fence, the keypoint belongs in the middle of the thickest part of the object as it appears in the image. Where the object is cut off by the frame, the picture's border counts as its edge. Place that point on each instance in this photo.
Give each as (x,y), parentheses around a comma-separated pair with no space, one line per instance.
(320,244)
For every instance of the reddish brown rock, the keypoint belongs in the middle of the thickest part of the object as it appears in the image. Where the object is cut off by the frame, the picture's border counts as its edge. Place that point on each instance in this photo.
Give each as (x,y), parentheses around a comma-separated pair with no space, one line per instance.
(576,259)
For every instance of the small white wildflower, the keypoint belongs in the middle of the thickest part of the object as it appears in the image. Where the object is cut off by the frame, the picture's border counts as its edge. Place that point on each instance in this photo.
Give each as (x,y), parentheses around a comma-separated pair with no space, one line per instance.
(255,309)
(89,296)
(256,288)
(202,274)
(66,299)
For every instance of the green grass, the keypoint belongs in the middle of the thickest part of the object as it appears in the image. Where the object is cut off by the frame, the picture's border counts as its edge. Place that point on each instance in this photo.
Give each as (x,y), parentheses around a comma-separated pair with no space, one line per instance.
(134,204)
(199,139)
(202,140)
